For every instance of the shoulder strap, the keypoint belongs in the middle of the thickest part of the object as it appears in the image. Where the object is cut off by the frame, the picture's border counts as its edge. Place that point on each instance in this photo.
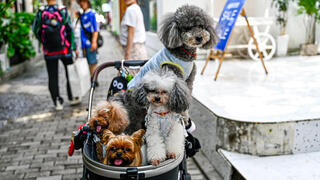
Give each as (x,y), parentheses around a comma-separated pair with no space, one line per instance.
(84,29)
(64,15)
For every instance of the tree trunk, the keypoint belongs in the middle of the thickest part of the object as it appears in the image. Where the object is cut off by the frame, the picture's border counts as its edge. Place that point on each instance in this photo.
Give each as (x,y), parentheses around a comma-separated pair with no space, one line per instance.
(311,29)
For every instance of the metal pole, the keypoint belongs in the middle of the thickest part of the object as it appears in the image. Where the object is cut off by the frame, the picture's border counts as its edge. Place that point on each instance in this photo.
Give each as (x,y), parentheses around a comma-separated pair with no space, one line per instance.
(90,102)
(243,13)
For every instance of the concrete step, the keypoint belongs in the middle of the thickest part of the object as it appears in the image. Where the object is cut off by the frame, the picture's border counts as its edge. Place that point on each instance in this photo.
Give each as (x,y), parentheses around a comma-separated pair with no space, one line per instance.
(285,167)
(264,115)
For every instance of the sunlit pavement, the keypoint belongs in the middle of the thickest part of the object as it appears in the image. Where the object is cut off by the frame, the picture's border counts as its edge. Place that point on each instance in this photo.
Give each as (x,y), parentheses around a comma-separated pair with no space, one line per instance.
(35,140)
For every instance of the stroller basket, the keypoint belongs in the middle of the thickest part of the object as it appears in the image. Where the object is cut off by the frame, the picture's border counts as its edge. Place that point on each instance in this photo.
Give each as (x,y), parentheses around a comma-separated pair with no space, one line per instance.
(167,170)
(171,169)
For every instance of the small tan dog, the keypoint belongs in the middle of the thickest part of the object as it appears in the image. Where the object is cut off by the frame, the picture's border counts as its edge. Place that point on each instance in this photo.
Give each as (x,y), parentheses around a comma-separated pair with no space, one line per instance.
(123,150)
(111,116)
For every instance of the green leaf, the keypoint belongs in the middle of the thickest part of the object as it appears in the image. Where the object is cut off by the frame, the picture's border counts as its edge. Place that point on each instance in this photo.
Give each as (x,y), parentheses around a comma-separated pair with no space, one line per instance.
(10,52)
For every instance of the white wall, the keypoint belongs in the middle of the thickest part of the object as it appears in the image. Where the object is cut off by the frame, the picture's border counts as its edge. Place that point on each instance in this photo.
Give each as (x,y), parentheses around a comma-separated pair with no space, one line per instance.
(115,16)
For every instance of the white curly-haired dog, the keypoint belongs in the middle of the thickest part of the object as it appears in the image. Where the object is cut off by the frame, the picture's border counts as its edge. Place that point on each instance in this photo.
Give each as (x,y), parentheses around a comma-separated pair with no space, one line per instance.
(167,96)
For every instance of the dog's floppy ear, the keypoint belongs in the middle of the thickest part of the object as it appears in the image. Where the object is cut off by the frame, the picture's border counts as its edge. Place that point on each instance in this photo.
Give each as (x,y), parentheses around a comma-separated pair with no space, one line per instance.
(169,33)
(179,100)
(140,94)
(137,136)
(213,34)
(106,136)
(118,119)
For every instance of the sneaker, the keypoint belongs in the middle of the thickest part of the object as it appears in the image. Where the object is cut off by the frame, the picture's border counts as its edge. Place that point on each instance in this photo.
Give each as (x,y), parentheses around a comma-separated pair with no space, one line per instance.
(75,101)
(59,104)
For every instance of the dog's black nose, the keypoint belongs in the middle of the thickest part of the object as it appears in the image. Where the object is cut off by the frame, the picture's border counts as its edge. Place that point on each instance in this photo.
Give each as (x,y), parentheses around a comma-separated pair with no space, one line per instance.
(119,154)
(157,99)
(199,38)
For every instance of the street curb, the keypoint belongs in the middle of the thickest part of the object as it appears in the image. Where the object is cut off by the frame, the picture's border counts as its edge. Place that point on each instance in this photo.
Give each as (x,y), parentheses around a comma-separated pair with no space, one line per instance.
(206,167)
(21,68)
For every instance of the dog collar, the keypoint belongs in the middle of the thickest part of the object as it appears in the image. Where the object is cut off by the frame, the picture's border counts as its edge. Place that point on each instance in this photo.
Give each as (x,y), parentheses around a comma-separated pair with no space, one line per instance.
(193,55)
(162,113)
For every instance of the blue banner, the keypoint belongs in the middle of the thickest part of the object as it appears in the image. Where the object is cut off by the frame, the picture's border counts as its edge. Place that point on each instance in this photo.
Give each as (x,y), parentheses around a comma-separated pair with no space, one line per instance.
(227,20)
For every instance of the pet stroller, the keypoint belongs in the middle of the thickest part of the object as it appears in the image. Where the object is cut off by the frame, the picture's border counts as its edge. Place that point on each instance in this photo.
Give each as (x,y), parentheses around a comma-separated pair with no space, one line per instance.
(172,169)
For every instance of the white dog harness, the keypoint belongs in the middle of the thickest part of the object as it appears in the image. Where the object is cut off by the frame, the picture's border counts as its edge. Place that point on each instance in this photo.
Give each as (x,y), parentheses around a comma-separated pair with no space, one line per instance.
(163,56)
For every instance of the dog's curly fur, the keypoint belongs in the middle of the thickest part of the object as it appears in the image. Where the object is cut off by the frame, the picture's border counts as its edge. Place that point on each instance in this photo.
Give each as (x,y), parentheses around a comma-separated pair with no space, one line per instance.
(137,110)
(183,29)
(110,115)
(167,97)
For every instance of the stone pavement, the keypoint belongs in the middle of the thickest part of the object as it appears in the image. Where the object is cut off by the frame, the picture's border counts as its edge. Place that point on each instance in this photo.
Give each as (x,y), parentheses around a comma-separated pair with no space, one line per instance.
(34,143)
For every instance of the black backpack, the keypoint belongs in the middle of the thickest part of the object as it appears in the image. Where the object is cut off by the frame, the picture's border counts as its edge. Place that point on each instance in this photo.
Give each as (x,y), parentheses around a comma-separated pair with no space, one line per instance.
(53,33)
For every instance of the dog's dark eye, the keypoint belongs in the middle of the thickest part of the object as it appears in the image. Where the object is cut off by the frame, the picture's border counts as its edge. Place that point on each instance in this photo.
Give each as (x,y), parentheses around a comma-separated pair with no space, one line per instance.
(201,26)
(112,149)
(152,91)
(128,149)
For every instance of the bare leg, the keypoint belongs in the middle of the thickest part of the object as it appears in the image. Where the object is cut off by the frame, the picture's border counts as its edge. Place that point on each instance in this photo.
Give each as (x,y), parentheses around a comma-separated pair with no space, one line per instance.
(92,68)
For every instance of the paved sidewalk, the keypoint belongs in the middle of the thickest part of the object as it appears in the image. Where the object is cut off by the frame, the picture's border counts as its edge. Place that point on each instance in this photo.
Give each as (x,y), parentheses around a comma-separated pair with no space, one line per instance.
(34,143)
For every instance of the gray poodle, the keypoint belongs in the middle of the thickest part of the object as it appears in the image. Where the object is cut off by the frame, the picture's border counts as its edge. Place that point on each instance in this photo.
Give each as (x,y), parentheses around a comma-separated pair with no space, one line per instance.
(181,33)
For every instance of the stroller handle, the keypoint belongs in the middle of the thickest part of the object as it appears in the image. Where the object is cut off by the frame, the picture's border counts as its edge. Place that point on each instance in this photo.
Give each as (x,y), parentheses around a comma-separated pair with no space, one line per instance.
(116,64)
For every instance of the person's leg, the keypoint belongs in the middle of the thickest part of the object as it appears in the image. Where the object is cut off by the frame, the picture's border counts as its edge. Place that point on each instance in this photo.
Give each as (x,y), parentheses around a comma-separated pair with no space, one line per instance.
(66,62)
(52,69)
(92,68)
(92,60)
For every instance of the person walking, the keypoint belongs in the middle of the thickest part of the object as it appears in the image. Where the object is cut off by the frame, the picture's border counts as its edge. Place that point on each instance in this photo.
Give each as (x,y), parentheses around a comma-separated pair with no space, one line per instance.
(133,33)
(89,34)
(52,27)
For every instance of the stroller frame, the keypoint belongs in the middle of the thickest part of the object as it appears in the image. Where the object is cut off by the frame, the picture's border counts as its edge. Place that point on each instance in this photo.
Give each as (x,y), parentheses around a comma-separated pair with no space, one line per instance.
(131,172)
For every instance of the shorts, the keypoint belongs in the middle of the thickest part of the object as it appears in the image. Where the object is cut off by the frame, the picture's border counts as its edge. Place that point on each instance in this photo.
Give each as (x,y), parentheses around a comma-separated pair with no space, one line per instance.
(91,56)
(138,52)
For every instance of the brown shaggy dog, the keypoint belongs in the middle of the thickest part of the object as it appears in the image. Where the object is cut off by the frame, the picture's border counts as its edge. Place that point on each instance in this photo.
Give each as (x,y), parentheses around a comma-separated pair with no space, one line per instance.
(123,150)
(111,116)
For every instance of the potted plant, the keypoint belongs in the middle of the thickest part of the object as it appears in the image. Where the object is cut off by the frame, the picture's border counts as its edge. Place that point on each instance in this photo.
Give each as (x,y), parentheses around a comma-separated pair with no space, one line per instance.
(311,9)
(282,19)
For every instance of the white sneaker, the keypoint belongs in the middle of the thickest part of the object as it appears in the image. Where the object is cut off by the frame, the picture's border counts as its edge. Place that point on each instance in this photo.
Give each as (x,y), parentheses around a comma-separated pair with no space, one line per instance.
(59,105)
(75,101)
